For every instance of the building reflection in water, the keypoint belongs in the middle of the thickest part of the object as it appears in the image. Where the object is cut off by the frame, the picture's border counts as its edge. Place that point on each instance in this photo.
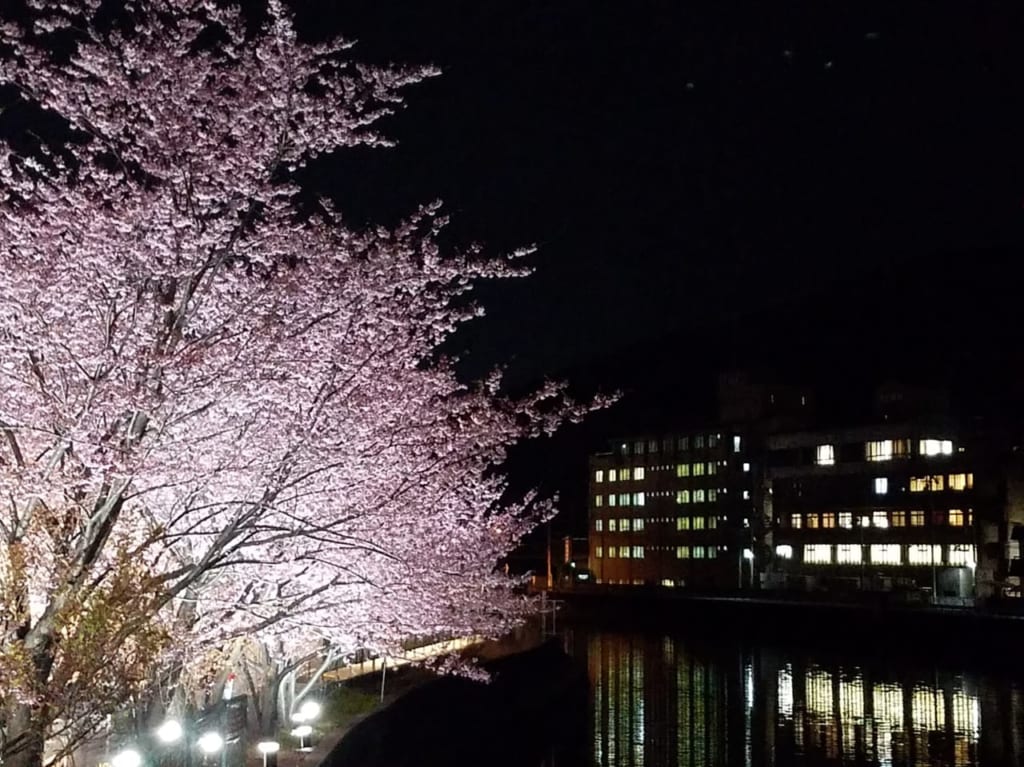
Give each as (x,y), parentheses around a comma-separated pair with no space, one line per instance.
(659,701)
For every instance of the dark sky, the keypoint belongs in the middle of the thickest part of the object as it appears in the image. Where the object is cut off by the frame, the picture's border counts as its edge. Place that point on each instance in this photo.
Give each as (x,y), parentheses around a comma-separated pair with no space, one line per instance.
(685,166)
(828,188)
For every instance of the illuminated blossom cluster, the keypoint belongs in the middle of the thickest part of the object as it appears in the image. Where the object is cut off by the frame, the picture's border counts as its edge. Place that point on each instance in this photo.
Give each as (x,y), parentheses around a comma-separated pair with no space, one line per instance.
(221,415)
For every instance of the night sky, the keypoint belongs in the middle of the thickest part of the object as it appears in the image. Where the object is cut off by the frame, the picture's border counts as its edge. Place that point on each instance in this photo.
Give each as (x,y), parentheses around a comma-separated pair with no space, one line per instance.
(827,190)
(683,165)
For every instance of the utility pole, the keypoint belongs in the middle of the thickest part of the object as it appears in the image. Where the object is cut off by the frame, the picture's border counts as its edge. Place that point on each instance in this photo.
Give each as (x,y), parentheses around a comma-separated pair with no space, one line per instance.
(550,579)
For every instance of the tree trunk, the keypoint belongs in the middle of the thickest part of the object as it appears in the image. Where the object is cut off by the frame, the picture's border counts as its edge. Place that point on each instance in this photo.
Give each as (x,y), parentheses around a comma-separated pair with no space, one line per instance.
(24,737)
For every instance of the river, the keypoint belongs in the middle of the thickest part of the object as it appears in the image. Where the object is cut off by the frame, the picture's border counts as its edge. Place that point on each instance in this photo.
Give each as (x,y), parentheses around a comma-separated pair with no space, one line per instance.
(661,698)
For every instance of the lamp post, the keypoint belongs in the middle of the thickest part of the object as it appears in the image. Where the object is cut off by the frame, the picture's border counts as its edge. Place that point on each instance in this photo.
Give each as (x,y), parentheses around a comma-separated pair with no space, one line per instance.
(170,732)
(210,743)
(302,732)
(128,757)
(267,748)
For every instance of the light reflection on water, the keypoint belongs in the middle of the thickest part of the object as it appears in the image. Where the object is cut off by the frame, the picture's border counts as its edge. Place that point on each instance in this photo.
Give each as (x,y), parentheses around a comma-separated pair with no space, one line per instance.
(661,700)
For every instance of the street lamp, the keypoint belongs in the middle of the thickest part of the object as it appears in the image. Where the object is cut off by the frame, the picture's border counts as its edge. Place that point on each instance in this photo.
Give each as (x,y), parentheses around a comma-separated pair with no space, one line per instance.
(268,747)
(302,732)
(170,731)
(129,757)
(310,710)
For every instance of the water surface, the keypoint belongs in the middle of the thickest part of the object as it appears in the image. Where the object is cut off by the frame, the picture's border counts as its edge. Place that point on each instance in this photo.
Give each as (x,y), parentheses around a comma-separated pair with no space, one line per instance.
(664,698)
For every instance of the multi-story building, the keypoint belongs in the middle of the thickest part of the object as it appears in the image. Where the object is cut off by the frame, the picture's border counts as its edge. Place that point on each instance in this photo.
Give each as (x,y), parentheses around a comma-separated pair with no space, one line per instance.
(907,501)
(673,510)
(886,507)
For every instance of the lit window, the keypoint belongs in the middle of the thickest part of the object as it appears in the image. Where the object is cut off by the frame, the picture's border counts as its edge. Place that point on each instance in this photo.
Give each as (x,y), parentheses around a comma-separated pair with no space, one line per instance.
(924,554)
(713,440)
(878,450)
(683,443)
(746,495)
(899,519)
(638,524)
(698,523)
(611,499)
(682,523)
(639,499)
(623,499)
(846,519)
(698,496)
(933,482)
(962,554)
(599,500)
(880,519)
(881,485)
(712,494)
(599,525)
(698,442)
(682,496)
(956,517)
(638,448)
(639,473)
(917,519)
(812,521)
(886,449)
(796,521)
(746,467)
(623,474)
(638,552)
(624,525)
(652,446)
(961,481)
(599,552)
(712,552)
(826,455)
(818,554)
(623,552)
(865,521)
(612,475)
(611,552)
(828,520)
(931,447)
(699,552)
(886,554)
(712,523)
(737,443)
(682,552)
(784,551)
(848,554)
(613,525)
(698,469)
(599,475)
(682,469)
(712,467)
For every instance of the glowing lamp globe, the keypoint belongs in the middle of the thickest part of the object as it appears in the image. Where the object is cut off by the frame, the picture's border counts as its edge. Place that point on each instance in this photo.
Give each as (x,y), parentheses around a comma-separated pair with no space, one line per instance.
(310,710)
(210,742)
(302,731)
(268,747)
(170,731)
(127,758)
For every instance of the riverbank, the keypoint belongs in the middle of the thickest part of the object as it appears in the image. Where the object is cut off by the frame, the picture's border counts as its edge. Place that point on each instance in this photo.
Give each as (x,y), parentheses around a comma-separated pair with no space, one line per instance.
(959,629)
(350,699)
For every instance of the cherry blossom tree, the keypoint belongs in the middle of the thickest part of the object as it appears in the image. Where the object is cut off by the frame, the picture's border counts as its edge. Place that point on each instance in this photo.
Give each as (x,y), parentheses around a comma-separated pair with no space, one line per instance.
(222,412)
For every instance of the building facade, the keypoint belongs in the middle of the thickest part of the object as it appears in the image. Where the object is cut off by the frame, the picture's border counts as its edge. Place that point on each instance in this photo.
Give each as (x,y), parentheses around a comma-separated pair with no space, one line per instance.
(891,507)
(906,502)
(672,510)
